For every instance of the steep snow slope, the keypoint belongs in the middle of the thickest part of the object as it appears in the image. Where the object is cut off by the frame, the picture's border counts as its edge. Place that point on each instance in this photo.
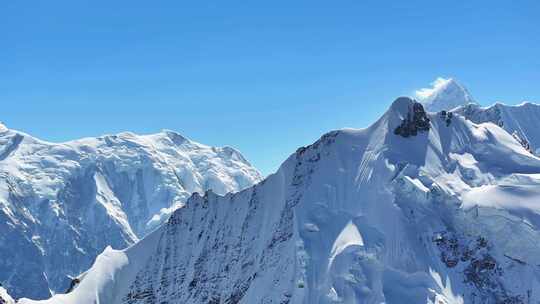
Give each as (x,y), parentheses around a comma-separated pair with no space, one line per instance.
(445,94)
(360,216)
(522,121)
(62,204)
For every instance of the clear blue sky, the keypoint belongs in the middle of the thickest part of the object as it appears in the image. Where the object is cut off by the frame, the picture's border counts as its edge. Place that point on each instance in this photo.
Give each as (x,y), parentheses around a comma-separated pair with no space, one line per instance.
(262,76)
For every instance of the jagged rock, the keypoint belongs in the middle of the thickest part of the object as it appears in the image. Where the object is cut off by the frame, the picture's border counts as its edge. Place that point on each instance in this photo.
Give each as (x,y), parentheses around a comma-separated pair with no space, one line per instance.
(416,121)
(480,268)
(72,284)
(447,117)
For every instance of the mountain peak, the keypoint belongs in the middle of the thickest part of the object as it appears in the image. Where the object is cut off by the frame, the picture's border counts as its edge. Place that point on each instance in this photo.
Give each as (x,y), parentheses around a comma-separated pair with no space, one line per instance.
(445,94)
(387,190)
(174,136)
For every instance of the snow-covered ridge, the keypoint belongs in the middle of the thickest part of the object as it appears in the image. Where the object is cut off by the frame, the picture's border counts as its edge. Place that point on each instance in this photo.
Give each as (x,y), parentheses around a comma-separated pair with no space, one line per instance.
(62,203)
(522,120)
(360,216)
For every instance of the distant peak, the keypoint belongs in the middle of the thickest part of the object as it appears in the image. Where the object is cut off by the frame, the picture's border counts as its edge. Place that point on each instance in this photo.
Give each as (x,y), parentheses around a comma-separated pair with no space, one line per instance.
(444,94)
(436,86)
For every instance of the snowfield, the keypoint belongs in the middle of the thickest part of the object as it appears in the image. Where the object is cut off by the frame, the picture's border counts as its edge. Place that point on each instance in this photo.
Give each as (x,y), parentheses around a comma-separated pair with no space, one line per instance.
(443,215)
(62,204)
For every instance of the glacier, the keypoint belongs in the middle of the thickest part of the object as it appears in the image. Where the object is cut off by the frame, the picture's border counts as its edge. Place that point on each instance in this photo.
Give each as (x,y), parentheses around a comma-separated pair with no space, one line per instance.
(61,204)
(440,214)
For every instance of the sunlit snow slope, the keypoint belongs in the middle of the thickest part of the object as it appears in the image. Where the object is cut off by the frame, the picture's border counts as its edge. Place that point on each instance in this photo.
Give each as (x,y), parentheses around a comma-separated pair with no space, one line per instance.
(62,204)
(445,94)
(522,121)
(446,215)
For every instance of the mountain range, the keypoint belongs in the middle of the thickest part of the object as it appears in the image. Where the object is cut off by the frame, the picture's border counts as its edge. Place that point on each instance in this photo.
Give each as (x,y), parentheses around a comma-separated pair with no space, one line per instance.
(436,202)
(62,204)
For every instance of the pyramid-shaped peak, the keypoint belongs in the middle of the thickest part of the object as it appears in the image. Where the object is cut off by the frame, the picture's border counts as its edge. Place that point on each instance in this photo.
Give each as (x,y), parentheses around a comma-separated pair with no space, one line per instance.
(444,94)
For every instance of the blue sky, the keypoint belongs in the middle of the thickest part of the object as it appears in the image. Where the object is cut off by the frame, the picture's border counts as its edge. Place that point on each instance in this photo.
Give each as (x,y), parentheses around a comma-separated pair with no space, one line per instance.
(262,76)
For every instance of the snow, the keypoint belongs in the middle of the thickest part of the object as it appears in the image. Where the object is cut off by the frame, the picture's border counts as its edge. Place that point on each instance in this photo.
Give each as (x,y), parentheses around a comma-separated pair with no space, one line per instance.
(4,295)
(521,119)
(67,201)
(446,216)
(349,236)
(523,201)
(445,94)
(112,205)
(108,277)
(446,295)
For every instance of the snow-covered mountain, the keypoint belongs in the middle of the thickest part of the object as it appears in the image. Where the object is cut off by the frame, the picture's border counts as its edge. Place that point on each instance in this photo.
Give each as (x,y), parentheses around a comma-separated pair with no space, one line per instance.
(62,204)
(445,94)
(522,121)
(417,208)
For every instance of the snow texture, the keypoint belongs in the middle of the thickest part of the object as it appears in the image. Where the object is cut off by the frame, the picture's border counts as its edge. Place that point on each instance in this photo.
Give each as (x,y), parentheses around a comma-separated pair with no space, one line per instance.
(4,296)
(62,204)
(445,94)
(522,121)
(445,216)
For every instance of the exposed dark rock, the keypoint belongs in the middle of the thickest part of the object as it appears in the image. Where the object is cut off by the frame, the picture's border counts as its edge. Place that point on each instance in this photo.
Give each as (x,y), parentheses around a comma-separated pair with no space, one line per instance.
(481,271)
(447,117)
(480,268)
(416,121)
(74,282)
(523,142)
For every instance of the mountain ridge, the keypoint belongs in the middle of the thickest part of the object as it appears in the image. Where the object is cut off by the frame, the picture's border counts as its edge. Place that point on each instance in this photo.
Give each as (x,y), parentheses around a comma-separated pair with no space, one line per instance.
(359,216)
(82,195)
(520,120)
